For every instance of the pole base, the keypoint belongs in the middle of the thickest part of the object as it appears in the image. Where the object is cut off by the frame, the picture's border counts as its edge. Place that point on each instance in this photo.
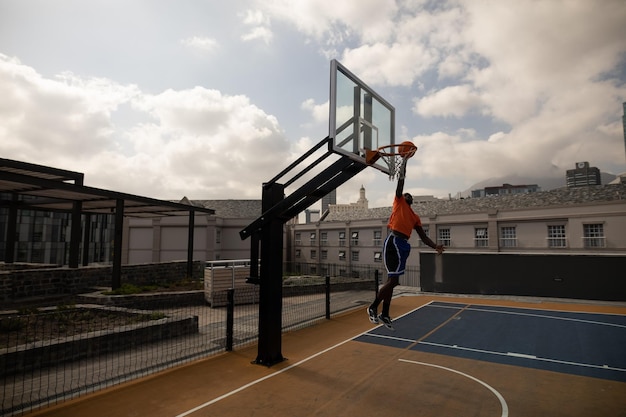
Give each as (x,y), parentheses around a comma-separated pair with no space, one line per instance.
(268,362)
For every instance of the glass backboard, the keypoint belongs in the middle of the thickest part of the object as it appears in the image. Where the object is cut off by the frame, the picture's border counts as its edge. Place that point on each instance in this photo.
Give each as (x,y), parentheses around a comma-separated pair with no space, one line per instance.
(359,118)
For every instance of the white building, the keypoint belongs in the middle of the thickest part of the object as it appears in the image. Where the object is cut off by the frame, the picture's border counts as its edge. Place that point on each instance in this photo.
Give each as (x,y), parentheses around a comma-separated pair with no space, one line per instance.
(580,220)
(576,220)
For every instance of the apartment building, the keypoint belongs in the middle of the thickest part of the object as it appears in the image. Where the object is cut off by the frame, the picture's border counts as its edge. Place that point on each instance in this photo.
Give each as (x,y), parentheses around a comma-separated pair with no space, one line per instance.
(588,219)
(569,220)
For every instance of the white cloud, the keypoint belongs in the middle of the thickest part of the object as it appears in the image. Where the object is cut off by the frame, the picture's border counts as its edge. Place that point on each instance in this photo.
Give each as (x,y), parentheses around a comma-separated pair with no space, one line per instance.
(398,64)
(333,22)
(319,112)
(197,142)
(262,33)
(201,43)
(259,25)
(492,88)
(451,101)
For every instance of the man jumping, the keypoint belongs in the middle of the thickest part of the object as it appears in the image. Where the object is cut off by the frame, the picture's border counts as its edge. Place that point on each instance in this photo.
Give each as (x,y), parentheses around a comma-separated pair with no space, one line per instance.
(402,222)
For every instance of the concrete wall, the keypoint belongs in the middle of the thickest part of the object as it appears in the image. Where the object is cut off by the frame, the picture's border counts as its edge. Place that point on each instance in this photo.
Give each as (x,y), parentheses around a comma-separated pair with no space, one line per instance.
(590,277)
(23,284)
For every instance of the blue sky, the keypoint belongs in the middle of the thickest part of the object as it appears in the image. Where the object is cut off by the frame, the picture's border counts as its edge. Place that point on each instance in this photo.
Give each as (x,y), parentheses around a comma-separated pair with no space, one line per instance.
(209,99)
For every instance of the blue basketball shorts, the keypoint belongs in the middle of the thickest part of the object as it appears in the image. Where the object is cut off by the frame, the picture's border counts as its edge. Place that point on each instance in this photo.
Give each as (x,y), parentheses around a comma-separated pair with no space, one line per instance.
(395,253)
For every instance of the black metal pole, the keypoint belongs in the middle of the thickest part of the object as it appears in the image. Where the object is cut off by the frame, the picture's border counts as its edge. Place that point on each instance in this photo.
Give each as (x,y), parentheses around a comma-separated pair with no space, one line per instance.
(190,232)
(327,297)
(271,281)
(116,278)
(230,318)
(9,249)
(376,282)
(86,239)
(75,234)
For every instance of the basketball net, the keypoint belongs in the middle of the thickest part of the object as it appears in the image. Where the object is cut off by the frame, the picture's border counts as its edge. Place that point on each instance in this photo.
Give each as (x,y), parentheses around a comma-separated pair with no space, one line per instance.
(393,156)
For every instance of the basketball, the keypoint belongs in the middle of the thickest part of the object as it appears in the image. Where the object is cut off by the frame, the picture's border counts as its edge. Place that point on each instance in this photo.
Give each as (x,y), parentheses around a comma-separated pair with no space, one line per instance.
(407,149)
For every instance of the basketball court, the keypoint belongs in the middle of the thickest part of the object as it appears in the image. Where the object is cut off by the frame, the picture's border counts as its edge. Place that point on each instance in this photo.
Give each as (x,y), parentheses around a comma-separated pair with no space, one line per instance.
(448,356)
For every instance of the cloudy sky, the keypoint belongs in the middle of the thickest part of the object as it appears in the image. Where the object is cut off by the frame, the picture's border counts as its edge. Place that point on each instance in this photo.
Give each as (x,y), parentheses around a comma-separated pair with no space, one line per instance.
(209,99)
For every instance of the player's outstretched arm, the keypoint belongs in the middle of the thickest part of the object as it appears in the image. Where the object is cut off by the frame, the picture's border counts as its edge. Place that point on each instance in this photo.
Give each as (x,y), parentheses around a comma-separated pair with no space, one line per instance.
(428,241)
(400,186)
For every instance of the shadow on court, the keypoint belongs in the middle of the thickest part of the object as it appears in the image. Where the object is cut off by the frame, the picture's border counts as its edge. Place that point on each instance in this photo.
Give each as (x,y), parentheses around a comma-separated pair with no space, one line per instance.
(447,357)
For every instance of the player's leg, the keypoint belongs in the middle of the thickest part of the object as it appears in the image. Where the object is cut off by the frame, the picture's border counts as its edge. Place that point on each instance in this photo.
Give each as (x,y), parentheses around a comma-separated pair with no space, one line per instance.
(390,260)
(395,261)
(386,293)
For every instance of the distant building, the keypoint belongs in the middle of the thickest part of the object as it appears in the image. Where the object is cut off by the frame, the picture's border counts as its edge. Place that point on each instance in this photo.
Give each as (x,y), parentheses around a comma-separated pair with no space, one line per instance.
(328,199)
(311,215)
(44,236)
(505,189)
(583,175)
(565,220)
(361,204)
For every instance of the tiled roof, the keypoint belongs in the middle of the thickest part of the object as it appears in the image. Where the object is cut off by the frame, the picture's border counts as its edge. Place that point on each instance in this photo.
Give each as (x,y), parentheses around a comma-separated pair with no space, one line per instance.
(233,209)
(544,199)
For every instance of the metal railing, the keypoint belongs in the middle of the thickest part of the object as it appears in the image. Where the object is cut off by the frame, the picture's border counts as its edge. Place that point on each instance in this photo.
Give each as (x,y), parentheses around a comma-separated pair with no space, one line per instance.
(50,353)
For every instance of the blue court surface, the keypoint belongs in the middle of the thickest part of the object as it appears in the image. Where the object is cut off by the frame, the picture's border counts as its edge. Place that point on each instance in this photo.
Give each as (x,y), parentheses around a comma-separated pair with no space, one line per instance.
(586,344)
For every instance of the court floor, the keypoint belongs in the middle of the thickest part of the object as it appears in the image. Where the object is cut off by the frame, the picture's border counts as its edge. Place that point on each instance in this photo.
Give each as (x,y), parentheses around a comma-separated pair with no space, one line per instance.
(447,356)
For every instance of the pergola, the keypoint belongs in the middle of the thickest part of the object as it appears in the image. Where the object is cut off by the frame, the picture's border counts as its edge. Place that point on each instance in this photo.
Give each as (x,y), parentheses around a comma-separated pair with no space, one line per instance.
(58,190)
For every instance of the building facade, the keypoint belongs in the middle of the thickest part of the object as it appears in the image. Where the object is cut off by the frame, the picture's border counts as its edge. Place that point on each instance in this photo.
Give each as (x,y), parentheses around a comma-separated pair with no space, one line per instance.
(569,220)
(579,220)
(44,236)
(583,175)
(505,189)
(216,237)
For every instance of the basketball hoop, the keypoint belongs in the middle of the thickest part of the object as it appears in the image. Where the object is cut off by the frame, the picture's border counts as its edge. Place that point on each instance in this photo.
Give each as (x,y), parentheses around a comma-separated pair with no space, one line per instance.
(392,155)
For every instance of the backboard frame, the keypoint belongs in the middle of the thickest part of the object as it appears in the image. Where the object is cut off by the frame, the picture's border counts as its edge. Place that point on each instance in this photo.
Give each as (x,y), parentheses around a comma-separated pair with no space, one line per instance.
(369,117)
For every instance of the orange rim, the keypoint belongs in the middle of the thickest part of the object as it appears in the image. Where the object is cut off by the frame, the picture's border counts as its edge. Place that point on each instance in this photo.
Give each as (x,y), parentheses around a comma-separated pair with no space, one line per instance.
(388,150)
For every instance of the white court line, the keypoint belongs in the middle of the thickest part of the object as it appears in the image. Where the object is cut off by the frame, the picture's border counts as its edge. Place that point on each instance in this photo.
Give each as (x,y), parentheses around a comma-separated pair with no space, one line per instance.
(477,307)
(243,387)
(525,356)
(503,404)
(382,336)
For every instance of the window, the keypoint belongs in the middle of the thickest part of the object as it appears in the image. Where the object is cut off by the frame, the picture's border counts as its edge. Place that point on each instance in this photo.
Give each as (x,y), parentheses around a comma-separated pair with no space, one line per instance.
(508,237)
(593,235)
(342,255)
(313,254)
(324,255)
(312,238)
(218,236)
(298,239)
(355,256)
(444,237)
(377,238)
(556,236)
(481,238)
(298,253)
(342,238)
(378,256)
(323,238)
(355,238)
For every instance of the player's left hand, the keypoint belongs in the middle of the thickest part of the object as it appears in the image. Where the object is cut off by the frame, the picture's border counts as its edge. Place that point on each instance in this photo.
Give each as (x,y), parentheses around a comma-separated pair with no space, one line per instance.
(440,249)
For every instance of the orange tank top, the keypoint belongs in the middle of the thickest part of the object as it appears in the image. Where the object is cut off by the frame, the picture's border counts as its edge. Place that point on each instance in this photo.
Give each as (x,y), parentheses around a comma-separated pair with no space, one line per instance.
(403,219)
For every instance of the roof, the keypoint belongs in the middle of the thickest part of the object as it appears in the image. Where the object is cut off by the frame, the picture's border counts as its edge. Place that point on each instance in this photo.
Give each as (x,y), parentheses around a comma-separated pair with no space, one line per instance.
(233,209)
(554,198)
(47,188)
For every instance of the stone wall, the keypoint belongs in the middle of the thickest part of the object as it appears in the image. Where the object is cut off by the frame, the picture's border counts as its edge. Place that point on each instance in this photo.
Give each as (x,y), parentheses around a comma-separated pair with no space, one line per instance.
(26,358)
(27,284)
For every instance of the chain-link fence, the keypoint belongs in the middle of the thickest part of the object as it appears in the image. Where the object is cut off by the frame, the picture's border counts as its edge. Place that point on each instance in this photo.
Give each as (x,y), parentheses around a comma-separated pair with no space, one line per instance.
(87,342)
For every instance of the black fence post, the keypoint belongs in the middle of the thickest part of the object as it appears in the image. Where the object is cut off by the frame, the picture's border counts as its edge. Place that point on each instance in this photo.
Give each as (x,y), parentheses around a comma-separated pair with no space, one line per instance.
(327,297)
(230,318)
(376,282)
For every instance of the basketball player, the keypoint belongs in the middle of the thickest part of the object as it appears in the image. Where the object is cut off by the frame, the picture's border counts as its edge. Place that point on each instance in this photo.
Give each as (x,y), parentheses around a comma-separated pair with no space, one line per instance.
(402,222)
